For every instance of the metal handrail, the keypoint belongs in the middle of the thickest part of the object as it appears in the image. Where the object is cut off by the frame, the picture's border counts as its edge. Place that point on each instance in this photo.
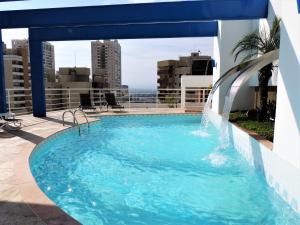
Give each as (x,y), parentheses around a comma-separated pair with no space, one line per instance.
(21,103)
(83,113)
(75,121)
(63,116)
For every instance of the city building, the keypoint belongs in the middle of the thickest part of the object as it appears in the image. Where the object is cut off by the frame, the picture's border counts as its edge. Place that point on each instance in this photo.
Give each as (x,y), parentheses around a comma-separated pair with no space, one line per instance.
(106,64)
(17,78)
(72,81)
(74,77)
(48,56)
(49,61)
(169,72)
(17,73)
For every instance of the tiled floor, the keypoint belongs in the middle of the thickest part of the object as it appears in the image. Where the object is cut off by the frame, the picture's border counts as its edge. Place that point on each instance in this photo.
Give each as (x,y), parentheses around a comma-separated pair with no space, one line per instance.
(21,201)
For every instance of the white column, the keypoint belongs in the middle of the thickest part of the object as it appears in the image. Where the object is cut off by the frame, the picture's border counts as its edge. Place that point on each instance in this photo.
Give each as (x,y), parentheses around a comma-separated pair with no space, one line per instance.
(230,32)
(182,96)
(287,125)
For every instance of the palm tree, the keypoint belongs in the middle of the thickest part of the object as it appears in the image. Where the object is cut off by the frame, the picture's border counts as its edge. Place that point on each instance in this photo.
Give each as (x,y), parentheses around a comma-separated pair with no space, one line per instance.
(259,43)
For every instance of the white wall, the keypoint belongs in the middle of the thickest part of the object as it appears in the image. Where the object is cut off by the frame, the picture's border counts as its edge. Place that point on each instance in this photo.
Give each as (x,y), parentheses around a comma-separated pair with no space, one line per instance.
(196,81)
(230,32)
(193,82)
(287,126)
(280,166)
(265,25)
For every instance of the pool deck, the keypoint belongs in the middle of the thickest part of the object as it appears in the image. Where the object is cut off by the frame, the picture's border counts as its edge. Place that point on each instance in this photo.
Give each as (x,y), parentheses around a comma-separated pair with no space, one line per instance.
(21,200)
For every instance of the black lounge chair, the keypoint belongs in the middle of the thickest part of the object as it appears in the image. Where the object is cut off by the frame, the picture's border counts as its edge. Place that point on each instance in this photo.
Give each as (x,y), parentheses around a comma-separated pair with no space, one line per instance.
(111,101)
(85,102)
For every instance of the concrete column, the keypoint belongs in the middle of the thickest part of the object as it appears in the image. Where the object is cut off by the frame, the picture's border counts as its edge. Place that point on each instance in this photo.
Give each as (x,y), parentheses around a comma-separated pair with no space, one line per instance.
(182,96)
(3,106)
(287,124)
(37,78)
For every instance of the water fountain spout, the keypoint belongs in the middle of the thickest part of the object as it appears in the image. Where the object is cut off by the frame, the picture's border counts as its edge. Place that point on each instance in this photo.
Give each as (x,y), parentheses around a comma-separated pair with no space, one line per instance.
(240,74)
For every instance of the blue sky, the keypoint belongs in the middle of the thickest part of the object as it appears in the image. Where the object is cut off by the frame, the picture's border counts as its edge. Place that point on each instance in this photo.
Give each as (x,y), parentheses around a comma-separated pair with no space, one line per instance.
(139,57)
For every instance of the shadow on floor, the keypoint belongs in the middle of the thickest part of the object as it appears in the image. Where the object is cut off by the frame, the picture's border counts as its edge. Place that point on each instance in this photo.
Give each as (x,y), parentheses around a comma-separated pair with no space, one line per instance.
(57,121)
(27,136)
(17,213)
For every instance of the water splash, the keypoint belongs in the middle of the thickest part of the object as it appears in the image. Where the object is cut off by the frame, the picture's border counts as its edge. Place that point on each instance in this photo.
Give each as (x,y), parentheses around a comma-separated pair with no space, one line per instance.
(216,159)
(241,74)
(200,133)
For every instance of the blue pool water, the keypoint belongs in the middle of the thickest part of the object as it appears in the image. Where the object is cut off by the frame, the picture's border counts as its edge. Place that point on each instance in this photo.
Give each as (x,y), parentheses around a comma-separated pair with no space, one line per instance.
(154,170)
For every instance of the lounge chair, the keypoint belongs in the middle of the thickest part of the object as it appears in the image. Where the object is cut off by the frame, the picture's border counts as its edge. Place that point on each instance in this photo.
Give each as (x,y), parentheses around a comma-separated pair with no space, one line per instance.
(111,101)
(9,122)
(86,103)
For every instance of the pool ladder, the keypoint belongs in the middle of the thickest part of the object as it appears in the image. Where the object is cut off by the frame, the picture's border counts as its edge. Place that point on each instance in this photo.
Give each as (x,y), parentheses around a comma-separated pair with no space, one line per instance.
(75,121)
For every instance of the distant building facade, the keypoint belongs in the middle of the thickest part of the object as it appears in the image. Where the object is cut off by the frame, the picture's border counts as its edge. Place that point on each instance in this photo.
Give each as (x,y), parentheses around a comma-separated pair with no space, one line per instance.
(48,56)
(17,78)
(169,72)
(49,61)
(74,77)
(71,82)
(106,64)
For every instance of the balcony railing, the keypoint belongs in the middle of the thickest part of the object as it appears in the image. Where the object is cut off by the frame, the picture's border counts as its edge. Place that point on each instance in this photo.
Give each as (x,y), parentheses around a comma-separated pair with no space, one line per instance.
(20,101)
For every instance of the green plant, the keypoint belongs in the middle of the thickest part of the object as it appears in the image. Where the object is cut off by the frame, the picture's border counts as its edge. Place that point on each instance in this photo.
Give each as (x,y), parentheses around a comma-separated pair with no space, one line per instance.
(171,101)
(264,129)
(238,115)
(260,42)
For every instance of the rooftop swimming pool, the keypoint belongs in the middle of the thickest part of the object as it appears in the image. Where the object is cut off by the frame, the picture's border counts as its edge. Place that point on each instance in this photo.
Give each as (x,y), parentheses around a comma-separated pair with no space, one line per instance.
(154,170)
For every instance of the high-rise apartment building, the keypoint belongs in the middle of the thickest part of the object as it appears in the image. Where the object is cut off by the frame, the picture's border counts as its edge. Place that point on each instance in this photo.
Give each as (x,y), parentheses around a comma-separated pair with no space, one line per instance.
(48,57)
(17,78)
(169,72)
(17,73)
(106,64)
(49,61)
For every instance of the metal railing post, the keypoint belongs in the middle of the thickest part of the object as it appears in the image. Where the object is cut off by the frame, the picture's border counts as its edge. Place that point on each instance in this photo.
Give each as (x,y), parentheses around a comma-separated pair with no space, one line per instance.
(59,98)
(8,101)
(156,102)
(129,101)
(183,96)
(99,97)
(69,97)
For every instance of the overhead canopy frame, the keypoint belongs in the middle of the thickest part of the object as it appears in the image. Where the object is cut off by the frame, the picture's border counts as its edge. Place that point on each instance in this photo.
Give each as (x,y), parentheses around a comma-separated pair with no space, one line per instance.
(124,21)
(179,11)
(131,31)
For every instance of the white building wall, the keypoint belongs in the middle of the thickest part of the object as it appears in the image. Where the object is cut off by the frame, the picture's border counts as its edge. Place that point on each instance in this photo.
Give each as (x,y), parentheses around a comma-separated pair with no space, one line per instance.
(265,25)
(230,32)
(193,81)
(287,125)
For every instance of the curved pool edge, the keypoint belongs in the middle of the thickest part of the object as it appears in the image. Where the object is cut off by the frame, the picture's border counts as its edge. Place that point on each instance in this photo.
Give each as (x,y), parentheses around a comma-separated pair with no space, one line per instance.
(31,194)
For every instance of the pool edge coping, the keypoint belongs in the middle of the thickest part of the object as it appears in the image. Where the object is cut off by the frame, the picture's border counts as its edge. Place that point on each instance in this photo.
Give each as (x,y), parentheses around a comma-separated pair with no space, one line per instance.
(30,191)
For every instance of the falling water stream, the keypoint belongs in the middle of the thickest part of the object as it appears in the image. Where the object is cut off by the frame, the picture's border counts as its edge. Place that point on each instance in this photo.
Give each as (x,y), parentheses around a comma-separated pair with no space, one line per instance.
(240,74)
